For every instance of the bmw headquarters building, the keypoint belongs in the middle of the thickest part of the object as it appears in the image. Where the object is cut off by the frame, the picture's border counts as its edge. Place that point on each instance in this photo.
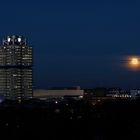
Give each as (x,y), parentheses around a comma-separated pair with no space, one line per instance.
(16,62)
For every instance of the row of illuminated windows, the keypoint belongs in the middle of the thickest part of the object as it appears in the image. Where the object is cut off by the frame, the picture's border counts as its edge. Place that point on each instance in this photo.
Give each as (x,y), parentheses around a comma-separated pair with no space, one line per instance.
(15,75)
(16,80)
(25,62)
(23,81)
(18,63)
(14,46)
(26,77)
(20,73)
(3,75)
(17,57)
(26,80)
(14,58)
(18,84)
(16,72)
(16,52)
(8,62)
(15,91)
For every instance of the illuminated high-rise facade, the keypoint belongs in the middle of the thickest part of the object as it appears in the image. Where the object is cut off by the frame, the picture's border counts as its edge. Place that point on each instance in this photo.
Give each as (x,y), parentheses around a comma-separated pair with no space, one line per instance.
(15,68)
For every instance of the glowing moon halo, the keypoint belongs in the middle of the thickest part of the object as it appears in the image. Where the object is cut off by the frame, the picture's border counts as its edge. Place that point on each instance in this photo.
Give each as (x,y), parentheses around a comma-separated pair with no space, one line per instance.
(130,62)
(134,61)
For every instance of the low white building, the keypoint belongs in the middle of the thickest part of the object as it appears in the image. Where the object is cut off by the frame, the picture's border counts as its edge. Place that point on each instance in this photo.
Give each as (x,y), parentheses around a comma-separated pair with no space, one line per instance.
(41,93)
(135,93)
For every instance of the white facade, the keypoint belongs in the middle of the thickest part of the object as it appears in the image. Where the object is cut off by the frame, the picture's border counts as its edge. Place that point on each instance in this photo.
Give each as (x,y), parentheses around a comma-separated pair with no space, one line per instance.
(135,93)
(40,93)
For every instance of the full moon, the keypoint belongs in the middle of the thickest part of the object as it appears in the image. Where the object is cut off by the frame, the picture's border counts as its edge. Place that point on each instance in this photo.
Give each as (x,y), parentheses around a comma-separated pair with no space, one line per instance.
(131,62)
(134,61)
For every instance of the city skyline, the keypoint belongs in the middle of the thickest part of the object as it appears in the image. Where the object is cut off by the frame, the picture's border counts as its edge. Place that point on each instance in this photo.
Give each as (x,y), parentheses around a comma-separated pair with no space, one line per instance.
(77,43)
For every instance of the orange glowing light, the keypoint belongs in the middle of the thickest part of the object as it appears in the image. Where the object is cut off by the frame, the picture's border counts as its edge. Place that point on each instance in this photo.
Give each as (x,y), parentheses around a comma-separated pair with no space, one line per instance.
(131,62)
(134,61)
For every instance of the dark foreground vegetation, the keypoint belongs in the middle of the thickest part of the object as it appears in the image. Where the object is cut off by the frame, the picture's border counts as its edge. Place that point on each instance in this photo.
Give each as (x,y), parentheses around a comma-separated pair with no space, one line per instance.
(70,119)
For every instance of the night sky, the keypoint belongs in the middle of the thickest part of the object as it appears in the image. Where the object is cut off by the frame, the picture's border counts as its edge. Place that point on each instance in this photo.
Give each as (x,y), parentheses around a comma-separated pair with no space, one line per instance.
(77,42)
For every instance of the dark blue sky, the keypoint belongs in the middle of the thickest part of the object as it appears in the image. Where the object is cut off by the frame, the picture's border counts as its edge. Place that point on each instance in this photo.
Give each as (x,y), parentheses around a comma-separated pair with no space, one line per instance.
(77,42)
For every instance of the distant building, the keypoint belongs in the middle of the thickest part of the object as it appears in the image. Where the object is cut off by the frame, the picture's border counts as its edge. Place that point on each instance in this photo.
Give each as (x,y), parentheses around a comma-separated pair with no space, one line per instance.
(135,93)
(118,93)
(15,68)
(96,92)
(40,93)
(65,88)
